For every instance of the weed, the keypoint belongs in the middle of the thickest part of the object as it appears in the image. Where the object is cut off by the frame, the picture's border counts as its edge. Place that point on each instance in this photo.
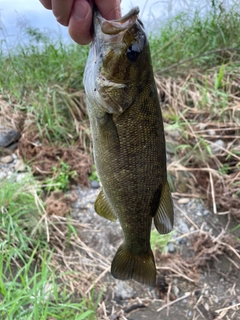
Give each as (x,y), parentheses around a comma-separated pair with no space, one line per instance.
(94,175)
(196,41)
(61,178)
(30,287)
(42,77)
(159,241)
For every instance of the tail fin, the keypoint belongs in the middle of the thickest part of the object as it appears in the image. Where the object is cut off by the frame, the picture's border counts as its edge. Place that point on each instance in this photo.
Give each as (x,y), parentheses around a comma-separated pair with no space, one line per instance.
(140,268)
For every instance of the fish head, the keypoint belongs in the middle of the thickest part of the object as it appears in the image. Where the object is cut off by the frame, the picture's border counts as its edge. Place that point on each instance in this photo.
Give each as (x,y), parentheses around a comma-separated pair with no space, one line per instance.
(119,62)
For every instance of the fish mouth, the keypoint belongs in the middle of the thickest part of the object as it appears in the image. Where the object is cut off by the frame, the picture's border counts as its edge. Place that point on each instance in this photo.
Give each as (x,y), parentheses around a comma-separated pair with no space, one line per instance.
(112,27)
(112,31)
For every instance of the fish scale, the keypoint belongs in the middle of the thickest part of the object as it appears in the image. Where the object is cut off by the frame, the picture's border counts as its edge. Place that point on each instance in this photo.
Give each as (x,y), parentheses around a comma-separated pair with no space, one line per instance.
(128,141)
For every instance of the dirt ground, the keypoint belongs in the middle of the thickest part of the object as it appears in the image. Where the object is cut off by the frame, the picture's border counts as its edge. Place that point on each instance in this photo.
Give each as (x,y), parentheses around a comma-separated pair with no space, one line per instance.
(198,278)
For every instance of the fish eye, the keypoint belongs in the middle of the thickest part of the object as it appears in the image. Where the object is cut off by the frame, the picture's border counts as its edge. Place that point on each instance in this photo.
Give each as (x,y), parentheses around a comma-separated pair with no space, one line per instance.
(133,53)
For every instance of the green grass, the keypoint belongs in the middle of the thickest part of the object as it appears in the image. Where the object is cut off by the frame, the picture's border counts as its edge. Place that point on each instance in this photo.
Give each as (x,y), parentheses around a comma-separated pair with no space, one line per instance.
(94,175)
(196,41)
(43,78)
(160,241)
(61,178)
(30,288)
(36,68)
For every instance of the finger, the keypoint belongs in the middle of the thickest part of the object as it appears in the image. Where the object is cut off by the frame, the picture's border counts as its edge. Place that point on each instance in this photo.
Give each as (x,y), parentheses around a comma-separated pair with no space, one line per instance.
(46,3)
(110,10)
(80,22)
(62,10)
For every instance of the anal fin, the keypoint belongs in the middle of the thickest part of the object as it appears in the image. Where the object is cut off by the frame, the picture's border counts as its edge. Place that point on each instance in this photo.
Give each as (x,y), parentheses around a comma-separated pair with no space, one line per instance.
(163,218)
(103,208)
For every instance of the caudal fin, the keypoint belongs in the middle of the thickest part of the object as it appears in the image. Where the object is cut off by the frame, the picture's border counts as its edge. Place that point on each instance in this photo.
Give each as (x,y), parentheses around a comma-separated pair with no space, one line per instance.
(140,268)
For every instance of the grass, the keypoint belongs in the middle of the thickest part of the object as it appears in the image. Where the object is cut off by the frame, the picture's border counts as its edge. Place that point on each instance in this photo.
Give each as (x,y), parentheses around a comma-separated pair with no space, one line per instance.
(42,64)
(45,79)
(194,41)
(30,288)
(196,60)
(61,178)
(159,241)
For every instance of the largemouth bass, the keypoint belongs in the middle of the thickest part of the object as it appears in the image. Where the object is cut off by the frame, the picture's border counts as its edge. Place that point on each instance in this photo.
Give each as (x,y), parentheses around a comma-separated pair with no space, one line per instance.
(128,141)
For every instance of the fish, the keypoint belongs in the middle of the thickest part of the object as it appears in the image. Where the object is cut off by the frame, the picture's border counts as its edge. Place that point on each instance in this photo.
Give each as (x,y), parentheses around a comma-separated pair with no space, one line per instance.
(128,141)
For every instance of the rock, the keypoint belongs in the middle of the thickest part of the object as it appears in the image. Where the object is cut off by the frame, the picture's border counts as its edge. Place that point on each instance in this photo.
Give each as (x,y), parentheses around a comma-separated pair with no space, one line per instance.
(3,175)
(171,247)
(205,212)
(13,146)
(20,177)
(183,200)
(14,156)
(202,126)
(206,293)
(173,132)
(20,166)
(94,184)
(211,132)
(217,145)
(199,213)
(9,174)
(183,227)
(8,137)
(206,228)
(181,241)
(7,159)
(124,291)
(175,290)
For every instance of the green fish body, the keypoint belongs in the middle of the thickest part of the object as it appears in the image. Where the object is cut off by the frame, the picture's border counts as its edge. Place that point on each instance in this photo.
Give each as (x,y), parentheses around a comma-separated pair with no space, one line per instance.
(128,141)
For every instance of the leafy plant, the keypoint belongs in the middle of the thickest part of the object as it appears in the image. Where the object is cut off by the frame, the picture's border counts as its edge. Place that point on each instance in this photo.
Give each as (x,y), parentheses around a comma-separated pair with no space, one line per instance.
(159,241)
(61,177)
(94,175)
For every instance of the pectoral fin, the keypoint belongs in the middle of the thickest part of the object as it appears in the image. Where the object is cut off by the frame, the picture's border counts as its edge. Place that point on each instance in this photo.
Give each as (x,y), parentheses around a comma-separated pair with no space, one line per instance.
(108,131)
(103,208)
(163,218)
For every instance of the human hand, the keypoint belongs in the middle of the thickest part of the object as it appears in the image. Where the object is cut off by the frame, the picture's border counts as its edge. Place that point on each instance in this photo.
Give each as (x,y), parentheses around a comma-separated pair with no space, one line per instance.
(77,15)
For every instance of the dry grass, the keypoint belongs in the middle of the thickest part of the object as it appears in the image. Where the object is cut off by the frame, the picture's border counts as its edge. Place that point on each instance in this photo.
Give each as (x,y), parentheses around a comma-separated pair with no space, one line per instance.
(203,132)
(37,149)
(11,117)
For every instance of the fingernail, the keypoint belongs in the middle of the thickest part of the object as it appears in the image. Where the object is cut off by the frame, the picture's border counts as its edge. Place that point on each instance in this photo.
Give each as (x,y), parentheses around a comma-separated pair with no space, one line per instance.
(80,10)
